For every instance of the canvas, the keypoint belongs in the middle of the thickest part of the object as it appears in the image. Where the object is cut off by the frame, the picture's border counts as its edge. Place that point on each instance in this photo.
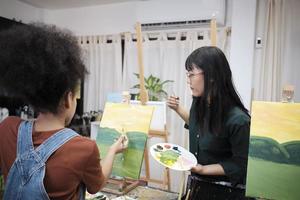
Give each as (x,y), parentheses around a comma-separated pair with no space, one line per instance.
(132,120)
(159,118)
(274,151)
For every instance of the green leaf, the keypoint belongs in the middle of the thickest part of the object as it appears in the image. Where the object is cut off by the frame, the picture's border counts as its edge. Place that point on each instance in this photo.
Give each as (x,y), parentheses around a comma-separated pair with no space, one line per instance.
(164,92)
(135,86)
(157,80)
(154,86)
(137,75)
(167,81)
(150,81)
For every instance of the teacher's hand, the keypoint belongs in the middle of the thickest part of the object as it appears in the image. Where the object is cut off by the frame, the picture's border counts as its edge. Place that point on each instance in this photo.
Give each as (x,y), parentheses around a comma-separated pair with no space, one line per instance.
(173,102)
(197,169)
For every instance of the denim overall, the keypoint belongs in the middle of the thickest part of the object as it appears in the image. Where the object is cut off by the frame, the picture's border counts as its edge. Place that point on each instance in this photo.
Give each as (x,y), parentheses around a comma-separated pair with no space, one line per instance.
(25,178)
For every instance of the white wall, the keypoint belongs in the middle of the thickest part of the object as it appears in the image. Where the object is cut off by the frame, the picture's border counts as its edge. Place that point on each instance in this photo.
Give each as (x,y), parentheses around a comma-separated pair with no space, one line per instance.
(228,17)
(117,18)
(20,11)
(97,20)
(178,10)
(242,46)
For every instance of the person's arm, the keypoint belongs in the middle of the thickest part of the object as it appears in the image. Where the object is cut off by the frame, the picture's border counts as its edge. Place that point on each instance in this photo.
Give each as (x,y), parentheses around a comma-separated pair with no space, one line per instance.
(95,174)
(107,162)
(173,103)
(213,169)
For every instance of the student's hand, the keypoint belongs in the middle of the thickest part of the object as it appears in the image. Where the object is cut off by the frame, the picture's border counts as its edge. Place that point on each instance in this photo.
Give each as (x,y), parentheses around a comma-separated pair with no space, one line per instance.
(120,145)
(197,169)
(173,102)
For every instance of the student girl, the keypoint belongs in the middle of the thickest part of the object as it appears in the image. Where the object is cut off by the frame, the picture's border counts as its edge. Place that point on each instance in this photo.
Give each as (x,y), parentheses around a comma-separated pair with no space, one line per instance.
(41,159)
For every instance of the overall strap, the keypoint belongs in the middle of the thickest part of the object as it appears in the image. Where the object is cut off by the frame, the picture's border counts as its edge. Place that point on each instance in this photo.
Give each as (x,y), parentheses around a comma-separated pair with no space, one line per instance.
(54,142)
(24,142)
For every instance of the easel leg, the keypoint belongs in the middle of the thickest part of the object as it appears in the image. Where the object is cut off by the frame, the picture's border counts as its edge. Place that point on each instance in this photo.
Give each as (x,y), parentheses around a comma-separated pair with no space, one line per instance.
(167,171)
(181,186)
(146,156)
(166,181)
(123,186)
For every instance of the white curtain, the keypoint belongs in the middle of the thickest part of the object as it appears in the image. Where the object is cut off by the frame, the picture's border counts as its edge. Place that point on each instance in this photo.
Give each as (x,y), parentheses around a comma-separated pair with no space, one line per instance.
(103,59)
(291,59)
(267,76)
(165,58)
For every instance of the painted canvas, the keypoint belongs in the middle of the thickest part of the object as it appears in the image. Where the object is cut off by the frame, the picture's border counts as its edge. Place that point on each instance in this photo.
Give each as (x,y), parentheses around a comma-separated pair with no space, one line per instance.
(274,151)
(132,120)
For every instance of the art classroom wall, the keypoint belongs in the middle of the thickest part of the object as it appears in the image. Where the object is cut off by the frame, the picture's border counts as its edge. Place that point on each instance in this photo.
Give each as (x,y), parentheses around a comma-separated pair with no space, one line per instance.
(242,47)
(13,9)
(121,17)
(116,18)
(106,20)
(274,151)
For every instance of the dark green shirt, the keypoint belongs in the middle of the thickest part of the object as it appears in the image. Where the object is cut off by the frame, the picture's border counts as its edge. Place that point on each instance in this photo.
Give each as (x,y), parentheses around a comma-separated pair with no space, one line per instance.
(229,148)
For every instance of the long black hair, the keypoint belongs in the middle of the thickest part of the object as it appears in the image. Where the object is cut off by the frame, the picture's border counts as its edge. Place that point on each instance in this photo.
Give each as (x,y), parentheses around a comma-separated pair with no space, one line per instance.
(40,63)
(219,95)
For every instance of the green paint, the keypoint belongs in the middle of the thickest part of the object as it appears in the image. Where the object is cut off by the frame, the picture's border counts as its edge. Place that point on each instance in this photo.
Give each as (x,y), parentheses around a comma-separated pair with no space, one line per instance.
(272,180)
(169,157)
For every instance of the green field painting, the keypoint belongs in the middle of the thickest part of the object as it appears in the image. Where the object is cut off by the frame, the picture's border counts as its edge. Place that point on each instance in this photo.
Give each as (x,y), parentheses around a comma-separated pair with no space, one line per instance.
(261,182)
(274,151)
(132,120)
(127,164)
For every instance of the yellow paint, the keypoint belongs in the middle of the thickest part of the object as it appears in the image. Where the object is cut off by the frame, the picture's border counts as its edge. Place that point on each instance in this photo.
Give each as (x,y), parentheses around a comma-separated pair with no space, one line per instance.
(280,121)
(127,117)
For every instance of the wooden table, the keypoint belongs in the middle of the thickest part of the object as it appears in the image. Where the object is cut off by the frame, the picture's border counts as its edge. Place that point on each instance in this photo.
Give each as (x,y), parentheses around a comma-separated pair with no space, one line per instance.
(145,193)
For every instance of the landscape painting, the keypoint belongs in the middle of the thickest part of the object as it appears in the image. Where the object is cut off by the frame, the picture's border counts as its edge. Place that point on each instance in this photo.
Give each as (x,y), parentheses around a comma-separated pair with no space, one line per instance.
(133,121)
(274,151)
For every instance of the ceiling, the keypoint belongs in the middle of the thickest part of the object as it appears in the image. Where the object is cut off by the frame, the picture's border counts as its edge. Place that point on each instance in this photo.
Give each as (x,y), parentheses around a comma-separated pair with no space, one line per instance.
(63,4)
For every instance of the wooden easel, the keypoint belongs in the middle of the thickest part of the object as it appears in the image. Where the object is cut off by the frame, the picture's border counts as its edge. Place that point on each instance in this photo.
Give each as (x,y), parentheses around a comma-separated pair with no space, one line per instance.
(213,31)
(166,178)
(121,186)
(144,99)
(125,185)
(143,92)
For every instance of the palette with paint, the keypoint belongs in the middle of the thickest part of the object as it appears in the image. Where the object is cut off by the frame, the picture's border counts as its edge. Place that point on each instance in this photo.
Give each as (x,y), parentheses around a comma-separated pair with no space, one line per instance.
(173,156)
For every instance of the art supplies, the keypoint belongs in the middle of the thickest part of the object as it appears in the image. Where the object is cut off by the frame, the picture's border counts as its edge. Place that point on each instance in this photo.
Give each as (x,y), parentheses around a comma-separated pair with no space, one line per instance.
(173,156)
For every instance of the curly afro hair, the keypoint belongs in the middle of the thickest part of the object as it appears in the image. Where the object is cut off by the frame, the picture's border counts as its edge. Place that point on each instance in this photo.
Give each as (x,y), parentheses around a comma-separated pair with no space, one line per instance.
(40,63)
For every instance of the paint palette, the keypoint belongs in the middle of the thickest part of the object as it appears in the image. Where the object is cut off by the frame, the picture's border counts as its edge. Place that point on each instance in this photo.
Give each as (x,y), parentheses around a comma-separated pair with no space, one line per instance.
(173,156)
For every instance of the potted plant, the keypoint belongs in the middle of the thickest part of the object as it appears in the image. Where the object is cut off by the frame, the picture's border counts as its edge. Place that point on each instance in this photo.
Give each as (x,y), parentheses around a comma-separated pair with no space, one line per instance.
(154,86)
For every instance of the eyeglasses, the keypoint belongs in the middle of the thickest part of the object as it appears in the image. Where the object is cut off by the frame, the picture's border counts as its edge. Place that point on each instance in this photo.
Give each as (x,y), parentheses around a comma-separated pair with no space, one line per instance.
(191,75)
